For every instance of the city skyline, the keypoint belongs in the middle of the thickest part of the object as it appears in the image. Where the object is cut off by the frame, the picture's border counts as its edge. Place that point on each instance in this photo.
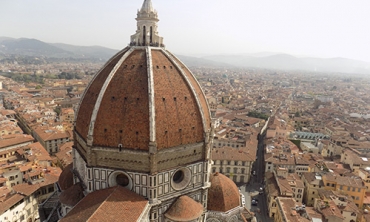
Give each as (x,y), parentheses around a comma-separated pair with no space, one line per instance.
(305,28)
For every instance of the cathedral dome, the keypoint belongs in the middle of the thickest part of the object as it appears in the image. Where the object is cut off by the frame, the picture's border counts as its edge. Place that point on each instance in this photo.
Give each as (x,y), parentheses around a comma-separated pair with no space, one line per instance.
(143,100)
(143,95)
(223,195)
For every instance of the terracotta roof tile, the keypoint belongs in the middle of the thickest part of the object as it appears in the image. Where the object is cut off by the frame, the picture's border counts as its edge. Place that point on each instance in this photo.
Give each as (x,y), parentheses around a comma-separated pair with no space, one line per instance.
(184,209)
(72,195)
(16,139)
(66,177)
(223,195)
(123,116)
(111,204)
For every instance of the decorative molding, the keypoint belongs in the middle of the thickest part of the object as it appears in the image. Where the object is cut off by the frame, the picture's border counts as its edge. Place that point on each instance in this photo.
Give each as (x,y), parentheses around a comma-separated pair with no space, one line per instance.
(152,135)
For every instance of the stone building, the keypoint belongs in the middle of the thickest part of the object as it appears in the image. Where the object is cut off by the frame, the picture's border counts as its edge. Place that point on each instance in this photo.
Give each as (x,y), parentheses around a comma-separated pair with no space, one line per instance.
(234,163)
(143,137)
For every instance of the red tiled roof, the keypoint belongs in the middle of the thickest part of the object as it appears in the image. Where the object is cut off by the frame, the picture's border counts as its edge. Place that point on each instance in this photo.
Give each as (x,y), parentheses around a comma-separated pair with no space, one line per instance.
(223,195)
(5,205)
(15,140)
(184,209)
(72,195)
(65,180)
(111,204)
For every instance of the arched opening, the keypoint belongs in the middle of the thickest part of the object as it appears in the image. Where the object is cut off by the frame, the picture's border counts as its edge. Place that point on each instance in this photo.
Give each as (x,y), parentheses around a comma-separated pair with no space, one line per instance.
(178,177)
(181,179)
(122,180)
(151,34)
(144,35)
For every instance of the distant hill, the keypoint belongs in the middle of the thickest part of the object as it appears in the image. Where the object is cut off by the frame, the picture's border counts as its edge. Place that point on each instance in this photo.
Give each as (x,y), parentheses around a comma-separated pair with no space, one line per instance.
(267,60)
(87,51)
(201,62)
(289,62)
(37,48)
(31,47)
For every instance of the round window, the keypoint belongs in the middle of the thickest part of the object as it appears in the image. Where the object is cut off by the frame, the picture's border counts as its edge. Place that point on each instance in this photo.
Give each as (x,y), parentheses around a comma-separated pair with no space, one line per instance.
(181,179)
(122,180)
(119,178)
(178,176)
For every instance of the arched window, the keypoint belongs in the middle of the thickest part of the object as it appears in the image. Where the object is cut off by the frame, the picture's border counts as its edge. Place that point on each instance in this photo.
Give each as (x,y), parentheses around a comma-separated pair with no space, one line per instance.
(242,179)
(144,35)
(151,34)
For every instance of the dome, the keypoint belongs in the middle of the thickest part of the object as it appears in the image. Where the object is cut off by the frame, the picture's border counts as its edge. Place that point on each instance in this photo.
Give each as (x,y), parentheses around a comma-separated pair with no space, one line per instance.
(65,180)
(117,105)
(184,209)
(223,195)
(143,101)
(72,195)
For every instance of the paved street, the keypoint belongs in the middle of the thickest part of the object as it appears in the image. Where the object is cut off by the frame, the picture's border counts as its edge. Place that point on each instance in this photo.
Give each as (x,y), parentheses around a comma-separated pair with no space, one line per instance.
(251,190)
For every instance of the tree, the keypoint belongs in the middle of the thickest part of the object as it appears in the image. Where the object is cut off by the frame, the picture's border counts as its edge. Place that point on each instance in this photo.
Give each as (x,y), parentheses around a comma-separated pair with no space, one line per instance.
(58,110)
(258,115)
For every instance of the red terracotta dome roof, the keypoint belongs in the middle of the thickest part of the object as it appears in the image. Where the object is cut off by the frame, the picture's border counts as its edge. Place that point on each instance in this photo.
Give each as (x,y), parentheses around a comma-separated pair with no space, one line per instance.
(72,195)
(65,180)
(184,209)
(143,95)
(223,195)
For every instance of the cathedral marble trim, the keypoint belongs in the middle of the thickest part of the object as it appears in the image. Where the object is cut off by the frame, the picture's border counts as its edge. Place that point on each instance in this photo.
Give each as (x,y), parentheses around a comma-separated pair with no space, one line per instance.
(151,96)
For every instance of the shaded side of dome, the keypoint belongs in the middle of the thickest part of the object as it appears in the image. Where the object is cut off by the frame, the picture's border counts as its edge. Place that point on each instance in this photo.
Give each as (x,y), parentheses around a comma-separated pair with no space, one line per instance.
(65,180)
(223,195)
(72,195)
(91,94)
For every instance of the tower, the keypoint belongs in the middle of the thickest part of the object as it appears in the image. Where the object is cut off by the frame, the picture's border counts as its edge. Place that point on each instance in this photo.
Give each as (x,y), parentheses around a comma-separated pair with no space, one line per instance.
(146,33)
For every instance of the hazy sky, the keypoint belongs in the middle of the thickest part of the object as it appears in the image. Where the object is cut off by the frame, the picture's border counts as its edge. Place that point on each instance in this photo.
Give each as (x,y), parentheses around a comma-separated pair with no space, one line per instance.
(322,28)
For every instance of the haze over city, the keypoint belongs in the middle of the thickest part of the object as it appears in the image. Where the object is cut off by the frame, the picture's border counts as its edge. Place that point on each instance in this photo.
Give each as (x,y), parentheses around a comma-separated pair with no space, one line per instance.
(222,112)
(301,28)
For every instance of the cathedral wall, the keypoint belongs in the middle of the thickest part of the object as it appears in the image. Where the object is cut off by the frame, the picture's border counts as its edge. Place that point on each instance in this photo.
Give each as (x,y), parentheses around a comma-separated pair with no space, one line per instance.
(159,186)
(180,156)
(79,165)
(124,160)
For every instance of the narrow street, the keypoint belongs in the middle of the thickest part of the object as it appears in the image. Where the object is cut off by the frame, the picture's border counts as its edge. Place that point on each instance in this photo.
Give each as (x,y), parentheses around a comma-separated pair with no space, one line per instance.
(251,190)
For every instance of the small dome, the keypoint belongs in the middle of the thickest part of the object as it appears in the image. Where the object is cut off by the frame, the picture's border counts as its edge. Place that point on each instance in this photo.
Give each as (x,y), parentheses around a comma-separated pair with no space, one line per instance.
(184,209)
(223,195)
(72,195)
(65,180)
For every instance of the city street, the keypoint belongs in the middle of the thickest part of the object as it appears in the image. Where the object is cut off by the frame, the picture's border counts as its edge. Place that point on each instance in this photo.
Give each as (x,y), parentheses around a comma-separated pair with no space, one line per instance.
(252,189)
